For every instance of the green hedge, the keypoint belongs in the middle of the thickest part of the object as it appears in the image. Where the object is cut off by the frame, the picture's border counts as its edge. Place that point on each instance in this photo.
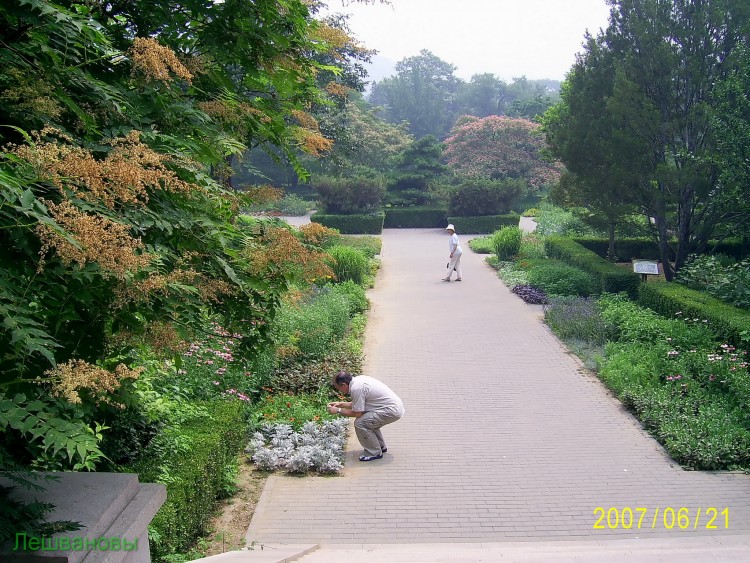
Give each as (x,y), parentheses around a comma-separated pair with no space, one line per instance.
(627,249)
(730,323)
(484,224)
(610,277)
(415,218)
(197,476)
(366,224)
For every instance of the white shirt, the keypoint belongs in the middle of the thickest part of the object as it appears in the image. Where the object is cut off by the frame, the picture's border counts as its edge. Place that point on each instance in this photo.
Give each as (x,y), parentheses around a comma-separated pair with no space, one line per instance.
(454,245)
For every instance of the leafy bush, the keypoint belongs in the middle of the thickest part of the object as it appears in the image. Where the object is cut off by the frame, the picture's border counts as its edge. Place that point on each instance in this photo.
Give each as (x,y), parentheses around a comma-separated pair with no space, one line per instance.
(315,447)
(507,242)
(638,324)
(720,278)
(195,475)
(307,375)
(610,277)
(349,263)
(352,224)
(484,223)
(552,220)
(557,278)
(369,245)
(478,197)
(350,195)
(354,294)
(530,294)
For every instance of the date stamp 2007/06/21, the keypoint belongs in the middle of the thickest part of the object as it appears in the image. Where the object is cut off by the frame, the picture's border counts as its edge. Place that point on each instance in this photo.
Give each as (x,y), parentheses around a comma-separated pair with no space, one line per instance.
(668,518)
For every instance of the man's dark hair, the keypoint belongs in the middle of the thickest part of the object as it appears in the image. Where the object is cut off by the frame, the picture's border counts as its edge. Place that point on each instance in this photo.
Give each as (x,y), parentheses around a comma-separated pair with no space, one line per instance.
(343,377)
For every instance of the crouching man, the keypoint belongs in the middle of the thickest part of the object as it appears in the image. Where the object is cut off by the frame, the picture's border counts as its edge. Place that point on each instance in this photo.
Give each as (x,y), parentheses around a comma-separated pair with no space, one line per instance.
(373,404)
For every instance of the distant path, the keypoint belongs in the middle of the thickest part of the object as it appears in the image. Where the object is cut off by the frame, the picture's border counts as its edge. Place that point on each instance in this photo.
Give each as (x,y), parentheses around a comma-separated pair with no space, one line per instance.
(505,437)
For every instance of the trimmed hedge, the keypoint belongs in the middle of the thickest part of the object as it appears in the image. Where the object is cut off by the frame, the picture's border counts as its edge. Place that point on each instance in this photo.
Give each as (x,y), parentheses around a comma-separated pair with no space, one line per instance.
(610,277)
(415,218)
(198,475)
(668,299)
(627,249)
(485,224)
(369,224)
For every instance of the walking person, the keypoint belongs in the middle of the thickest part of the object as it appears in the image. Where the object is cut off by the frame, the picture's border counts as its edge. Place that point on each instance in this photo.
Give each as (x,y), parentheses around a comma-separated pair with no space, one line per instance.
(373,404)
(455,254)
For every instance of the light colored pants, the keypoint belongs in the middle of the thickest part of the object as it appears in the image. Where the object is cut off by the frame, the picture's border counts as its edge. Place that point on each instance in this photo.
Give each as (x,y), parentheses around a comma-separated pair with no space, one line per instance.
(454,263)
(368,428)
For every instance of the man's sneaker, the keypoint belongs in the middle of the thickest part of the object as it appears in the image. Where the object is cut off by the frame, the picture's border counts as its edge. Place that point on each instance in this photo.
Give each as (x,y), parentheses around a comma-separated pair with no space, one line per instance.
(384,450)
(370,457)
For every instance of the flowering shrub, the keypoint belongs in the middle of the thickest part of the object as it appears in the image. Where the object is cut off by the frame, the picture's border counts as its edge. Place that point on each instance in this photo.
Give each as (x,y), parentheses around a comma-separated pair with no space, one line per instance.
(689,391)
(315,447)
(500,147)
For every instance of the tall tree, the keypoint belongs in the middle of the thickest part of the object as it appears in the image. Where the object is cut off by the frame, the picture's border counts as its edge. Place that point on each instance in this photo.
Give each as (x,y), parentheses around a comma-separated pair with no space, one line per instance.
(422,92)
(670,54)
(600,175)
(498,147)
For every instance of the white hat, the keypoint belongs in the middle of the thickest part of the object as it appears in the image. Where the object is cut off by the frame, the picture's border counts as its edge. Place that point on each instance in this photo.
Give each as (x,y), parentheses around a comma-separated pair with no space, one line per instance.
(450,227)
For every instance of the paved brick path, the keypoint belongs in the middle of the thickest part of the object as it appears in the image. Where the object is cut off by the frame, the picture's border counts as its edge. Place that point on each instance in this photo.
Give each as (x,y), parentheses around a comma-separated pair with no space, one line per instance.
(504,439)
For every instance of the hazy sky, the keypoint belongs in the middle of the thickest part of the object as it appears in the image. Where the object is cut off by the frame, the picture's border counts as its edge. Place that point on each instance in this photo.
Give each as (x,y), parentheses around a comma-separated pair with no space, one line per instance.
(509,38)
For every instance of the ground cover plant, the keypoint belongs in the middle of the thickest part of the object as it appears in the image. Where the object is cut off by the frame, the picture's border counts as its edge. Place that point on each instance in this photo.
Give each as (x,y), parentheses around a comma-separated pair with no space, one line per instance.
(314,447)
(689,390)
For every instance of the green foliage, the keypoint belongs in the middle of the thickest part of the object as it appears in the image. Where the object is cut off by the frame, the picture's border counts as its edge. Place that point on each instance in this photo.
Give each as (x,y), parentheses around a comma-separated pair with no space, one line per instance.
(195,476)
(355,296)
(553,220)
(350,195)
(290,205)
(558,278)
(370,224)
(482,245)
(728,282)
(669,299)
(313,376)
(610,278)
(506,242)
(47,434)
(480,197)
(293,410)
(369,245)
(691,393)
(414,218)
(349,263)
(484,224)
(638,324)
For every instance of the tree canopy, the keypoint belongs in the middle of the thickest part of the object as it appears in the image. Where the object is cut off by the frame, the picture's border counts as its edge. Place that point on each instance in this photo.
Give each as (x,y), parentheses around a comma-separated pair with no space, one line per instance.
(663,66)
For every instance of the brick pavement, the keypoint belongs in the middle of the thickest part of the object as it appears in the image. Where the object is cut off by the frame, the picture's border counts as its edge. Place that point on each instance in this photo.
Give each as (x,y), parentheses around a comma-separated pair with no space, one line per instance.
(505,438)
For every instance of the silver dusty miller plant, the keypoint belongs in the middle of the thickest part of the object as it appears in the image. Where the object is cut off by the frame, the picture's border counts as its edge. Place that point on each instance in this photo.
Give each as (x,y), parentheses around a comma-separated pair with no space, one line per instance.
(316,447)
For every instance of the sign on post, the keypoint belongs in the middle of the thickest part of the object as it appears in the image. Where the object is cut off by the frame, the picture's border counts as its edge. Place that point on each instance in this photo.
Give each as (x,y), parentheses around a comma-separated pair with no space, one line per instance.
(646,268)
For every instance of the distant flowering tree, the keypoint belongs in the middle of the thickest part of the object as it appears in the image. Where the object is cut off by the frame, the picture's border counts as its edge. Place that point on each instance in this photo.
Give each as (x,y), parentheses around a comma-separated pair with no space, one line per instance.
(499,147)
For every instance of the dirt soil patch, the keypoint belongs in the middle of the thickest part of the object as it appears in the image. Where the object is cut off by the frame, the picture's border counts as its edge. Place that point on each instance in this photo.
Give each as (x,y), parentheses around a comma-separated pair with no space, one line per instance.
(230,524)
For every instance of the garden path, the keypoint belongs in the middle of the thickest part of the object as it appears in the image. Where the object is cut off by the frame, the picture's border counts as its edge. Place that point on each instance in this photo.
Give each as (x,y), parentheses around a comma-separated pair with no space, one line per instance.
(506,438)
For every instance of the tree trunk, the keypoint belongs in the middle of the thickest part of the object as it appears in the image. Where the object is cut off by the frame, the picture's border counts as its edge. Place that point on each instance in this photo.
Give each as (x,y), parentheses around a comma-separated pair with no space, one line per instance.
(611,249)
